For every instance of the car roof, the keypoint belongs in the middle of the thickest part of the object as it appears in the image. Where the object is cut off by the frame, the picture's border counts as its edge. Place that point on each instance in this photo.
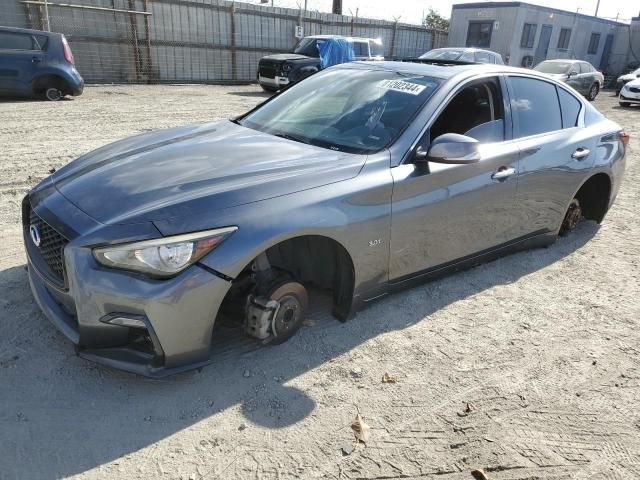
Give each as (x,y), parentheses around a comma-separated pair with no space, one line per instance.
(564,60)
(26,30)
(363,39)
(444,71)
(465,49)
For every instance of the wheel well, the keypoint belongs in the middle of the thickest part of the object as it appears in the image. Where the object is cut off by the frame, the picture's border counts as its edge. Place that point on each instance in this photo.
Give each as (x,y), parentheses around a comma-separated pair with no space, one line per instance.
(313,260)
(42,82)
(594,197)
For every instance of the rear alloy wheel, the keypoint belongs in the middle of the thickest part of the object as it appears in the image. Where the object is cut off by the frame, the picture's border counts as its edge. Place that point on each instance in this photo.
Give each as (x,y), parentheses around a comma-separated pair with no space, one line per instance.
(593,92)
(293,300)
(572,218)
(53,94)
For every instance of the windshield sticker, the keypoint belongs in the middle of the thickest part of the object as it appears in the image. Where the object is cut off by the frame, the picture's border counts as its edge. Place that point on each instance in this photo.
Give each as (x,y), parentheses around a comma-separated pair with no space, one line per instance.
(402,86)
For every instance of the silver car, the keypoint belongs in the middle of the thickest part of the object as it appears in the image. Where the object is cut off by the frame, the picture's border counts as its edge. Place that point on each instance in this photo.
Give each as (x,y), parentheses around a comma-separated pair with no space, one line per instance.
(360,180)
(580,75)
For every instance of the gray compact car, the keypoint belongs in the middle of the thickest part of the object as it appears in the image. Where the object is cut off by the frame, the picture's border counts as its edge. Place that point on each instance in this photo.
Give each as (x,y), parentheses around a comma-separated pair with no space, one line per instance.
(360,180)
(580,75)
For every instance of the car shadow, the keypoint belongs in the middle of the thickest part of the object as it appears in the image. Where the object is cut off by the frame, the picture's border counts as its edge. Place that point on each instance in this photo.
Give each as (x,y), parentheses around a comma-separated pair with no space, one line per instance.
(63,416)
(251,93)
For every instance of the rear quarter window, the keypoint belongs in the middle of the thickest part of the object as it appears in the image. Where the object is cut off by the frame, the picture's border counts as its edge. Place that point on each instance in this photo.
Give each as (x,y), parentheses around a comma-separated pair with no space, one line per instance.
(570,107)
(534,106)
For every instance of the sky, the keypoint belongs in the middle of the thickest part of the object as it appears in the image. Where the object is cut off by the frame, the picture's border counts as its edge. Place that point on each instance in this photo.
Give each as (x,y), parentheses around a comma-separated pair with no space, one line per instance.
(410,11)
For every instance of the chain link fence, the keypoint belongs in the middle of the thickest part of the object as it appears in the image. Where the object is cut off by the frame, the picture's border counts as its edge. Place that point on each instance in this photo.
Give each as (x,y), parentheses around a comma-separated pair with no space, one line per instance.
(203,41)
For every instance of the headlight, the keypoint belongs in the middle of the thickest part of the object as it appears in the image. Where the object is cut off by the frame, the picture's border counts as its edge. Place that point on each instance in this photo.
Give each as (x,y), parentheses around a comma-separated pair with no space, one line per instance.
(287,67)
(162,257)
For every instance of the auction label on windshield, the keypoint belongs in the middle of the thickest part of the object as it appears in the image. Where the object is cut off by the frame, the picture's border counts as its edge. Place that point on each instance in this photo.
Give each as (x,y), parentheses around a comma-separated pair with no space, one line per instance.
(402,86)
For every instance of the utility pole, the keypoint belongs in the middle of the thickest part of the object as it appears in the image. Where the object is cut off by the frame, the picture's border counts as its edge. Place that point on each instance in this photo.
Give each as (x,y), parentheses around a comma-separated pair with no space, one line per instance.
(597,7)
(337,7)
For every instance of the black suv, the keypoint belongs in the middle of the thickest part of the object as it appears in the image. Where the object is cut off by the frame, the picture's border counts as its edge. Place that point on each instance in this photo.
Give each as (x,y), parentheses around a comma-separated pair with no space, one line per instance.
(280,70)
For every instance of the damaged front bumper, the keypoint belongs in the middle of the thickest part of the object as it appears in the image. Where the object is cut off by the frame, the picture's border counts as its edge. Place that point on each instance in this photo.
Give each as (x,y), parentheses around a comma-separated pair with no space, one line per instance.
(127,320)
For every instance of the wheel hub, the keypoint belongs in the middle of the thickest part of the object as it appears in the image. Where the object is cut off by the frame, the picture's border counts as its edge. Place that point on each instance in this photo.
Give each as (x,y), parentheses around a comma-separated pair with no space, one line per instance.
(573,216)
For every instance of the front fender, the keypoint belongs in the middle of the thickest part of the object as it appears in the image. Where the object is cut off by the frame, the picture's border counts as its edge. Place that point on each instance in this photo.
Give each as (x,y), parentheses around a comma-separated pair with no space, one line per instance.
(352,212)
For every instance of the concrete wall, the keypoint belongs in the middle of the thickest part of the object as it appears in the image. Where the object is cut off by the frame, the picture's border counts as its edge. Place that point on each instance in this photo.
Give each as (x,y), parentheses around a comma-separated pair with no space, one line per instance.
(197,40)
(509,19)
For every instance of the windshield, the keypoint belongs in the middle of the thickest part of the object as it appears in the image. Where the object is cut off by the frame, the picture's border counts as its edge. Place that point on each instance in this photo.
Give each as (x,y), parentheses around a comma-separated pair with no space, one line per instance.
(442,54)
(308,47)
(553,67)
(344,109)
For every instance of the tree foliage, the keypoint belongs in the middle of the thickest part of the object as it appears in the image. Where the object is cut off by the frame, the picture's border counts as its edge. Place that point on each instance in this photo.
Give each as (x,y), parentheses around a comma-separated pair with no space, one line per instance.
(434,20)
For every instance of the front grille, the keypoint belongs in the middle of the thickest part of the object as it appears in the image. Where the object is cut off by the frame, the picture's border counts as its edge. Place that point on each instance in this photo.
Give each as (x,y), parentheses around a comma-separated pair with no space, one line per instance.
(268,69)
(634,89)
(51,248)
(267,72)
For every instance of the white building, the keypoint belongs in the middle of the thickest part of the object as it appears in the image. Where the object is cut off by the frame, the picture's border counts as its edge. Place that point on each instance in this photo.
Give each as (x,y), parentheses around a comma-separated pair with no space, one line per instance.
(526,34)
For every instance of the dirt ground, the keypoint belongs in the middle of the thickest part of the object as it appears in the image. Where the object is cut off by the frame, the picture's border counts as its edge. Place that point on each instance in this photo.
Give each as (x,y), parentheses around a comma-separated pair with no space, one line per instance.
(527,367)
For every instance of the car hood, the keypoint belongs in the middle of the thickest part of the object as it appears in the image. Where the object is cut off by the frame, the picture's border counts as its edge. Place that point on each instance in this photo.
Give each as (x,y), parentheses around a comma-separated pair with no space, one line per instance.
(628,77)
(185,170)
(281,57)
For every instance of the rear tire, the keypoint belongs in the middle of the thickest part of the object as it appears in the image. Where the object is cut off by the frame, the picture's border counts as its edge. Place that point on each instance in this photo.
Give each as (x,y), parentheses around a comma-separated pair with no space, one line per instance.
(53,94)
(593,92)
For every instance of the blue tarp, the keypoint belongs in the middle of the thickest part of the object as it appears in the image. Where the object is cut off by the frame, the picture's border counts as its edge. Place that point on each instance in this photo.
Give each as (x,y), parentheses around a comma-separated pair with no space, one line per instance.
(334,51)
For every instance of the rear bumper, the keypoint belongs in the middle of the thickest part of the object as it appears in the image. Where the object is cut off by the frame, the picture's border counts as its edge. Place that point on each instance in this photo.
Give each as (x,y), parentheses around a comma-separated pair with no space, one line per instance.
(178,313)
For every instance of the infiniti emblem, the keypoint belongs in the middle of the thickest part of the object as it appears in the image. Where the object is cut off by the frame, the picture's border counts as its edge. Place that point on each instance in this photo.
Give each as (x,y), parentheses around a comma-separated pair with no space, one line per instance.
(35,235)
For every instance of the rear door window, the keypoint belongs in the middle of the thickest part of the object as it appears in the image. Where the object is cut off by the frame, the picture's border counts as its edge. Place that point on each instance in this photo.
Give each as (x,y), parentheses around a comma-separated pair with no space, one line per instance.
(570,107)
(16,41)
(534,106)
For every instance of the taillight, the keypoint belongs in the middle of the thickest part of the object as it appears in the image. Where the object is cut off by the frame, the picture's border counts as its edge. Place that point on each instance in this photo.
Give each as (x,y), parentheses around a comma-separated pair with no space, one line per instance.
(624,137)
(68,56)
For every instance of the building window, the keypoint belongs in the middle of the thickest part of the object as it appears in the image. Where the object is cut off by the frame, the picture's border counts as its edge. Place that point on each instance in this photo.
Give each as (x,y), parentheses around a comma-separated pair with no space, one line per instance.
(479,34)
(528,35)
(593,43)
(563,40)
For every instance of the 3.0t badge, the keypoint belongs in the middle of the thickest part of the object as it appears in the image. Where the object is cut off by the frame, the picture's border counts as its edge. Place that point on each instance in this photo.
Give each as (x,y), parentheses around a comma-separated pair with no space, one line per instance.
(35,235)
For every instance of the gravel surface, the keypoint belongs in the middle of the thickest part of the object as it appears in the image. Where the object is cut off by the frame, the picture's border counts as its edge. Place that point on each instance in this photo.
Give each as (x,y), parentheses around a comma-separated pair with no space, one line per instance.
(527,367)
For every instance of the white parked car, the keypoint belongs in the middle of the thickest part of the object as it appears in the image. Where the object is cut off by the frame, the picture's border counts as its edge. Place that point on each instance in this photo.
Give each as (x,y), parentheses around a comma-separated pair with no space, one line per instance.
(624,79)
(630,93)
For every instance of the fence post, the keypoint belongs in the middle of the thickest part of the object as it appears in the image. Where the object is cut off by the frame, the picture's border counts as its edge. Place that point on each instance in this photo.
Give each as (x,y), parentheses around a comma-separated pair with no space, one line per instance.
(234,72)
(147,36)
(136,48)
(393,38)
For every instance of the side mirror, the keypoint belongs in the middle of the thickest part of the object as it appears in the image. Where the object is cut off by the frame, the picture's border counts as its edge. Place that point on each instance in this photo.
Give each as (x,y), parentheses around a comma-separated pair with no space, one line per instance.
(571,74)
(450,148)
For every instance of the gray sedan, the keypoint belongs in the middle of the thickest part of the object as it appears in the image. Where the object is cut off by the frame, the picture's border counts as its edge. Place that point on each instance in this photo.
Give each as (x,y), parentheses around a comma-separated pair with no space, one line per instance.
(580,75)
(360,180)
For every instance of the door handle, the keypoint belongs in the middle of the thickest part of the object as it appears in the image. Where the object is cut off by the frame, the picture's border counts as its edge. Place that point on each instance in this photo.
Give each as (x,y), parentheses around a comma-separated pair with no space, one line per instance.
(36,60)
(503,173)
(580,153)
